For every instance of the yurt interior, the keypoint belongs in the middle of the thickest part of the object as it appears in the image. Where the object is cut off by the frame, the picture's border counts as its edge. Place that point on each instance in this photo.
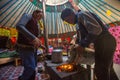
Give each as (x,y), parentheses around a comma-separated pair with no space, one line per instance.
(40,41)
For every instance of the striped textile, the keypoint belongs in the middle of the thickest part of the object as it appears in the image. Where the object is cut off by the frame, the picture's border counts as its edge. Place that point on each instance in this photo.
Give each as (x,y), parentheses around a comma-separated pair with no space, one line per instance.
(12,10)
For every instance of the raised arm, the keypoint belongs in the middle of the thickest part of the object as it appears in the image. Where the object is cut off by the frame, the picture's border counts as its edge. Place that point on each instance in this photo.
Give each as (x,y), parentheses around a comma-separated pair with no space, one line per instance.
(74,5)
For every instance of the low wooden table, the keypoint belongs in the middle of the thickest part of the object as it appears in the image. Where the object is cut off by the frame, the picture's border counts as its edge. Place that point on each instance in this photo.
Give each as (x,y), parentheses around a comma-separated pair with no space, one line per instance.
(56,75)
(17,61)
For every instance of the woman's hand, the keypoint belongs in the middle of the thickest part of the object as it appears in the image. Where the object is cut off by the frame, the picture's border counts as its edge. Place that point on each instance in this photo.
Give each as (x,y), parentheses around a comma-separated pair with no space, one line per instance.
(90,48)
(91,45)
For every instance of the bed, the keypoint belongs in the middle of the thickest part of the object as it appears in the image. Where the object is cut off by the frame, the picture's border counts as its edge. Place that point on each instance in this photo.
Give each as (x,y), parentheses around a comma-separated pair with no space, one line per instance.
(7,55)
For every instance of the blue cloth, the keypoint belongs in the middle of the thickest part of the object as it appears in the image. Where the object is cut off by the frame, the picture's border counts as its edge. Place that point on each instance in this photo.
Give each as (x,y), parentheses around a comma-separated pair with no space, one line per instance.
(29,61)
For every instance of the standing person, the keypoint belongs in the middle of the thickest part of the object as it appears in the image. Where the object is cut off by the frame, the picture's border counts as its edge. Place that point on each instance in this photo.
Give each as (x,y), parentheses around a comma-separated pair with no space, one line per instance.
(28,43)
(90,29)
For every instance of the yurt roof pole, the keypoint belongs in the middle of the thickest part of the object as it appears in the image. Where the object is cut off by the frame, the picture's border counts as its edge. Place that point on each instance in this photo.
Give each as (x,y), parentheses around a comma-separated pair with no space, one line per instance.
(56,25)
(44,24)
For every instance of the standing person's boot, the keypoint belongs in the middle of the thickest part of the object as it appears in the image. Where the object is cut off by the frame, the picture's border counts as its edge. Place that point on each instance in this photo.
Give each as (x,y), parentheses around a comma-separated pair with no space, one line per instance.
(33,76)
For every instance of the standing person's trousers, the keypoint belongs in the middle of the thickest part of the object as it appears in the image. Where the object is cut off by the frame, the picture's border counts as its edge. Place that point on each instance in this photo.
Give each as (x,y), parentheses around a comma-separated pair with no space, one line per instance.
(105,46)
(29,62)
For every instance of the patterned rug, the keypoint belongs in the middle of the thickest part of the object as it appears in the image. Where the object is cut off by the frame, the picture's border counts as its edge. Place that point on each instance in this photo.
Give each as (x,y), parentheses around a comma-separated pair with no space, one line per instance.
(10,72)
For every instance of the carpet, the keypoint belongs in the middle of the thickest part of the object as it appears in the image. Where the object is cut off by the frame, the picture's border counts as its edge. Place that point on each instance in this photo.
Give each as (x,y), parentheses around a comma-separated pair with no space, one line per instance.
(11,72)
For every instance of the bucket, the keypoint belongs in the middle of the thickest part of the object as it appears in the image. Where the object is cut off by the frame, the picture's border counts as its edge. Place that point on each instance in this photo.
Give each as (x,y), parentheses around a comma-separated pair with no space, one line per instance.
(57,56)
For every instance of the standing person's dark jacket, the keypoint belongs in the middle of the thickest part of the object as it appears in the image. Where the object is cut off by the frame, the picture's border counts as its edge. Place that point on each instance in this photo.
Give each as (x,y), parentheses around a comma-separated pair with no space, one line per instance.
(32,27)
(89,27)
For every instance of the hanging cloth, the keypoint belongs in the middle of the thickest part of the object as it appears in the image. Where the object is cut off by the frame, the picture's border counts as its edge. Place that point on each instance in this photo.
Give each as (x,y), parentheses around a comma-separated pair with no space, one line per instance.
(115,31)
